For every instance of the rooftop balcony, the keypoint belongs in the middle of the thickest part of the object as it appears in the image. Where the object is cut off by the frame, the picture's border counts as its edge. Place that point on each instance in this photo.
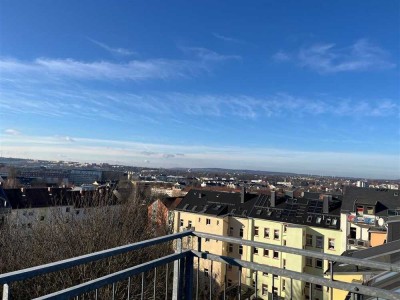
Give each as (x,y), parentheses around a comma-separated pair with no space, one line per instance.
(184,282)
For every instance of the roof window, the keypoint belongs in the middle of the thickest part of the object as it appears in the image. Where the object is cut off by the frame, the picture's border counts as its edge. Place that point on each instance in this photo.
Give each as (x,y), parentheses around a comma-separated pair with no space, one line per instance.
(318,220)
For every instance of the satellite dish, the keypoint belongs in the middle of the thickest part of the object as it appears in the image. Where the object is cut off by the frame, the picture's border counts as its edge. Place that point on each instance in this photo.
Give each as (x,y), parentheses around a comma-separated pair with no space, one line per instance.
(381,222)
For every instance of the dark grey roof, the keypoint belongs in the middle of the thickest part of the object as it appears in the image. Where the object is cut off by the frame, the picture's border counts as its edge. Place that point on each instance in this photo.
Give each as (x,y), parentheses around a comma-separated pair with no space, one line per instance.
(296,211)
(382,199)
(217,203)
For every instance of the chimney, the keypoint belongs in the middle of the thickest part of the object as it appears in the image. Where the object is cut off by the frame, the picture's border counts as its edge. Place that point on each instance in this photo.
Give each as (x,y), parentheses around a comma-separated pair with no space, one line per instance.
(273,199)
(242,194)
(325,205)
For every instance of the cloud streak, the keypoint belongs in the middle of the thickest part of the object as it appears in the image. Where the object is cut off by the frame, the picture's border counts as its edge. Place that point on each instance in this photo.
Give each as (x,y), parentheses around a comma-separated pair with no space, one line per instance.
(328,58)
(201,60)
(117,51)
(227,38)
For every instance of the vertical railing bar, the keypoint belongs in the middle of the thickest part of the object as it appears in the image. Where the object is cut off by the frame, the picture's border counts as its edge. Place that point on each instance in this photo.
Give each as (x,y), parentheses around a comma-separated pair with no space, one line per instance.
(96,294)
(291,288)
(225,282)
(211,277)
(129,286)
(256,283)
(155,281)
(198,268)
(273,285)
(240,284)
(166,282)
(142,291)
(113,291)
(6,291)
(331,273)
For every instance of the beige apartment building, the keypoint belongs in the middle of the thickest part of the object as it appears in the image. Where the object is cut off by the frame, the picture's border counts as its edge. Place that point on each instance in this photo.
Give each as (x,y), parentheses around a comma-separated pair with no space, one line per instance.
(312,224)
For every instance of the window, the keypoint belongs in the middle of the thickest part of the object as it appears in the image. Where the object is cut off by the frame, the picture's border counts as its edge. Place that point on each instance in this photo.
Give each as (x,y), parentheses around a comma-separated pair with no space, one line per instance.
(360,210)
(328,221)
(285,228)
(309,219)
(309,261)
(370,210)
(256,231)
(208,221)
(189,224)
(230,248)
(319,263)
(283,284)
(229,282)
(284,242)
(265,274)
(334,222)
(217,222)
(319,242)
(309,239)
(255,250)
(284,264)
(264,289)
(274,277)
(241,232)
(266,233)
(41,218)
(181,223)
(318,220)
(318,287)
(67,209)
(266,252)
(207,239)
(230,230)
(276,234)
(240,249)
(229,267)
(206,272)
(331,244)
(276,255)
(199,220)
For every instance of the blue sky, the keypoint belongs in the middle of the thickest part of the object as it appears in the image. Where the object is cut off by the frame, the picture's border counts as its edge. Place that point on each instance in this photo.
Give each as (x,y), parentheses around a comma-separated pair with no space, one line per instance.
(297,86)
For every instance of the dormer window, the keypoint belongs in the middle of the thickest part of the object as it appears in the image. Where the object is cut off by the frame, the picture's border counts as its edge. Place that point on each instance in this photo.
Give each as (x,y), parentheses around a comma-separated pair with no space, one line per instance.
(360,210)
(370,210)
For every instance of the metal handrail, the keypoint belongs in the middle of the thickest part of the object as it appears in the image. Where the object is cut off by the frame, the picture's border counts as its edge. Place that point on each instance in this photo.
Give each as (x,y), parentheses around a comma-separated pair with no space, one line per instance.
(87,258)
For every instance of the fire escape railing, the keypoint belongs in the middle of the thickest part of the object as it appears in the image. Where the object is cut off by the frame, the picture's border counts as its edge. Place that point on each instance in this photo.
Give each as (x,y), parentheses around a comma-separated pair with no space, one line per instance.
(185,284)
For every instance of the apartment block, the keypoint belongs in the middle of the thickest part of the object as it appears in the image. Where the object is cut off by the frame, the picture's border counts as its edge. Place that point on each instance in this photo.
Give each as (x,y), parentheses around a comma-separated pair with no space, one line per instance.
(301,223)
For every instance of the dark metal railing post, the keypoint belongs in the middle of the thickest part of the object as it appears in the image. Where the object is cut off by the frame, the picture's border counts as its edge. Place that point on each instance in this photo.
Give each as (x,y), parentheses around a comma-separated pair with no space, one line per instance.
(240,284)
(189,277)
(256,283)
(198,268)
(155,283)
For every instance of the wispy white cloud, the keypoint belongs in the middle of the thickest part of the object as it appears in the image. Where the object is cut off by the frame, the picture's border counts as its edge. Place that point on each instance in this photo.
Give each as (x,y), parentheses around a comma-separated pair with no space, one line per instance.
(206,55)
(273,159)
(281,56)
(201,60)
(11,131)
(150,107)
(117,51)
(227,38)
(362,55)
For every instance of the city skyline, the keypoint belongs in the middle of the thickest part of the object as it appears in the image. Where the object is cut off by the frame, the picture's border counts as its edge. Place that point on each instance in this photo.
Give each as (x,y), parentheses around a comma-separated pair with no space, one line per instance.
(302,87)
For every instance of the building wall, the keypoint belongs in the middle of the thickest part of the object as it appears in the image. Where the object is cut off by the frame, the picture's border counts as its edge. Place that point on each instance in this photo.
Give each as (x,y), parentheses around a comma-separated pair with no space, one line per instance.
(280,233)
(378,238)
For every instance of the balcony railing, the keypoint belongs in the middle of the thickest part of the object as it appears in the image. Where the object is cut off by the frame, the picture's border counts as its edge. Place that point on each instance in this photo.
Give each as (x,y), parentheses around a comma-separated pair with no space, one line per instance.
(185,285)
